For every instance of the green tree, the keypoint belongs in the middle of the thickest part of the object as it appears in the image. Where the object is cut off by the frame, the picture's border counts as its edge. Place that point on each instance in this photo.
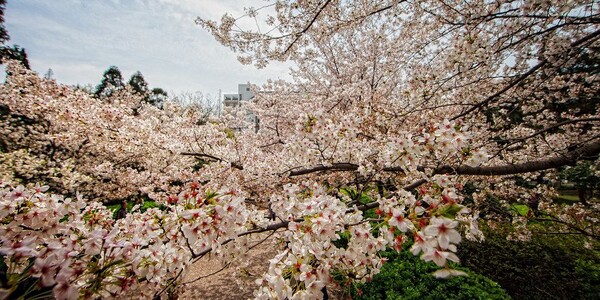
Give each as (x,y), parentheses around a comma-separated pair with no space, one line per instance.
(584,178)
(139,85)
(112,81)
(3,33)
(405,276)
(157,97)
(7,52)
(16,53)
(549,266)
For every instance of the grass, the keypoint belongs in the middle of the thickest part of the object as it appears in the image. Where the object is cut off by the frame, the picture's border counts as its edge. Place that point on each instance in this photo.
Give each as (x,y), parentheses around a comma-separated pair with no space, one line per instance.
(567,197)
(147,204)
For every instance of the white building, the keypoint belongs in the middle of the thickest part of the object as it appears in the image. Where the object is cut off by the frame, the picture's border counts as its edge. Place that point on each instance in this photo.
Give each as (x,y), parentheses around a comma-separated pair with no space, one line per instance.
(233,100)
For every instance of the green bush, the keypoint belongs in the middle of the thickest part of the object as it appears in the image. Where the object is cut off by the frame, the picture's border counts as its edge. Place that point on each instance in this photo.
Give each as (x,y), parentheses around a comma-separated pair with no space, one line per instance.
(547,267)
(147,204)
(406,276)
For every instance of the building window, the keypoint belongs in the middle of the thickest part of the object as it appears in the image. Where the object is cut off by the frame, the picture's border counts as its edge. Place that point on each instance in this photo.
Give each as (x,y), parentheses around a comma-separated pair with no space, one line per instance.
(247,89)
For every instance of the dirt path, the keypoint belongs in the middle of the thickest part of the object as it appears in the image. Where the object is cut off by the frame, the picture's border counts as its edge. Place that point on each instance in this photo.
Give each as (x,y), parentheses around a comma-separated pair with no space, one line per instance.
(230,283)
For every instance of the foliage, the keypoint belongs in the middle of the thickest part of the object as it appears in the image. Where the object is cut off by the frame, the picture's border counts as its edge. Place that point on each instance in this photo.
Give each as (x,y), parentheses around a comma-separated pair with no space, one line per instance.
(7,52)
(139,85)
(565,198)
(112,81)
(583,176)
(147,204)
(546,267)
(3,33)
(405,276)
(157,97)
(14,53)
(10,52)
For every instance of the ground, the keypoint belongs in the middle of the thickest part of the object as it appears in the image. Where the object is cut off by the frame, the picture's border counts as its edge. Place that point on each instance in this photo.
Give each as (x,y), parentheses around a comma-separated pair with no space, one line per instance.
(231,283)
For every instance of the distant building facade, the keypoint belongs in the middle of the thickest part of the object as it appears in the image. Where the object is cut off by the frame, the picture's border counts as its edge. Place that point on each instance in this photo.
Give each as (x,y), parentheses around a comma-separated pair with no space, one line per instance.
(233,100)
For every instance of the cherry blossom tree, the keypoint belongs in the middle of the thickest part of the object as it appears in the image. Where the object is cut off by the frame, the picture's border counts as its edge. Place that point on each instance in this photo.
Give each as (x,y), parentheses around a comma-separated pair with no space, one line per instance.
(106,150)
(396,108)
(520,76)
(374,77)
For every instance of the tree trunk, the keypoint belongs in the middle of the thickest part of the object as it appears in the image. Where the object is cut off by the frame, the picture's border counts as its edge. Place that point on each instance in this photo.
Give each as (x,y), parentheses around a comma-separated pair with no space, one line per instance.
(582,196)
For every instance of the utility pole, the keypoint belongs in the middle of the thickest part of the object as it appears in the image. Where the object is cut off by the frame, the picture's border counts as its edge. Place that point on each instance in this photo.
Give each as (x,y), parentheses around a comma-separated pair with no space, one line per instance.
(219,100)
(49,74)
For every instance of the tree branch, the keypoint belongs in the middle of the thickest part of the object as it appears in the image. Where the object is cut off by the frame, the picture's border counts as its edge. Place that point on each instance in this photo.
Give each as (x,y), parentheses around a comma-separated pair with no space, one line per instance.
(319,168)
(523,76)
(202,155)
(569,225)
(516,140)
(299,34)
(586,152)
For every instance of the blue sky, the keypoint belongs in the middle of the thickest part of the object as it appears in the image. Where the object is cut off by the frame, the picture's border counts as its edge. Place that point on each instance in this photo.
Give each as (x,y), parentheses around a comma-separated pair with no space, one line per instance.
(80,39)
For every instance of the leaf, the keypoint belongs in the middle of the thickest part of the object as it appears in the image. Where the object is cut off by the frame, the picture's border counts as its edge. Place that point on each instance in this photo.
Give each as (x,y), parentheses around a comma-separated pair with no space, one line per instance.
(521,209)
(450,211)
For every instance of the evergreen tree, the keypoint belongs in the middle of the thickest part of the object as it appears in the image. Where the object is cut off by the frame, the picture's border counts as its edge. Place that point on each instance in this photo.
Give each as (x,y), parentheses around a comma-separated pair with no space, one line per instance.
(3,33)
(112,81)
(157,97)
(15,52)
(139,85)
(6,52)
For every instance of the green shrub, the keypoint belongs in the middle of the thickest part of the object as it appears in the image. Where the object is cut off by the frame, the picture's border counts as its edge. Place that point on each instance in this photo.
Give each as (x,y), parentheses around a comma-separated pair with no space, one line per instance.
(406,276)
(146,205)
(547,267)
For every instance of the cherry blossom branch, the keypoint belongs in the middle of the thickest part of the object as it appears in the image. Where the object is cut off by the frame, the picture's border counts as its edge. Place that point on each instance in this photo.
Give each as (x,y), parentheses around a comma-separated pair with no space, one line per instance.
(187,242)
(228,264)
(557,125)
(407,188)
(299,34)
(502,91)
(585,152)
(233,164)
(510,142)
(262,241)
(196,257)
(270,227)
(332,167)
(522,77)
(171,282)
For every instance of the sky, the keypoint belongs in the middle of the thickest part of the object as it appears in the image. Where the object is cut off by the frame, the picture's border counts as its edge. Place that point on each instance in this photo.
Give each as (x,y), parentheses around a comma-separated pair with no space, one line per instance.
(80,39)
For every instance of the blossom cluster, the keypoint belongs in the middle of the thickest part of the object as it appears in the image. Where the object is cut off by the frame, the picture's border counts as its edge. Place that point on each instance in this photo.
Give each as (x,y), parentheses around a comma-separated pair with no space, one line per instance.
(75,249)
(74,142)
(322,237)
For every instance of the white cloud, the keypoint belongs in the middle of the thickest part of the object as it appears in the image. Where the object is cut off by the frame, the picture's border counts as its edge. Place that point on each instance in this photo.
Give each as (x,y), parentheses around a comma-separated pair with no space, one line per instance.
(81,39)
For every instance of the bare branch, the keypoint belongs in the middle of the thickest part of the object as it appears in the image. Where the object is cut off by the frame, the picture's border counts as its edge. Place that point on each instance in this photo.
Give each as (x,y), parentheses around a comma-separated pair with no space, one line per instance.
(522,77)
(587,152)
(203,155)
(557,125)
(299,34)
